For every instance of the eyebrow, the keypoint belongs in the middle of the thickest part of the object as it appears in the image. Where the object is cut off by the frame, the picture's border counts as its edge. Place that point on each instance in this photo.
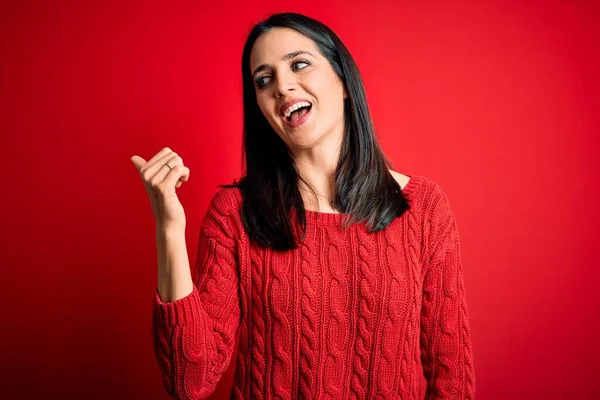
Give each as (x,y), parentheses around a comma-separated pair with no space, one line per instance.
(286,57)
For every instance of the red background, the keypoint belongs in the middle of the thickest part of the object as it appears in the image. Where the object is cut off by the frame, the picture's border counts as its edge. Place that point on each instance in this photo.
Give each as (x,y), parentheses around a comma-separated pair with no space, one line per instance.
(495,101)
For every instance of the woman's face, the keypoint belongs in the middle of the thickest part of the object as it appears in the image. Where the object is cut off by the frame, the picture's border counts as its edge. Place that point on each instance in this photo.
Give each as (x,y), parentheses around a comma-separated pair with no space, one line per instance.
(287,68)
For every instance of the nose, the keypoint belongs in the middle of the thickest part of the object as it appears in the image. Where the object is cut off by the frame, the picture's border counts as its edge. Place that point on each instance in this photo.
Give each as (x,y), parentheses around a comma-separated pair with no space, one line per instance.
(284,85)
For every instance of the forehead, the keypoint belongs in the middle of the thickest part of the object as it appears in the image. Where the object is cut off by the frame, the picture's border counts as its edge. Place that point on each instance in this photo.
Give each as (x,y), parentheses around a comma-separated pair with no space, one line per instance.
(273,45)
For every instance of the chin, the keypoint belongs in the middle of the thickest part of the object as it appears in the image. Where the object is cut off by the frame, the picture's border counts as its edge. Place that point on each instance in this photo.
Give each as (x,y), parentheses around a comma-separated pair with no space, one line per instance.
(301,140)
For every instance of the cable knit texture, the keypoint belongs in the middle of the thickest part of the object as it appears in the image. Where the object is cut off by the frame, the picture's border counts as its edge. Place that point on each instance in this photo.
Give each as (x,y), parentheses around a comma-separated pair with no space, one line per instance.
(348,315)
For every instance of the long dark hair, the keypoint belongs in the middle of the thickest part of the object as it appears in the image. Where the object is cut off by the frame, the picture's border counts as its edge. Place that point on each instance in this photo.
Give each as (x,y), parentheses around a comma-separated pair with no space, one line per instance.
(365,191)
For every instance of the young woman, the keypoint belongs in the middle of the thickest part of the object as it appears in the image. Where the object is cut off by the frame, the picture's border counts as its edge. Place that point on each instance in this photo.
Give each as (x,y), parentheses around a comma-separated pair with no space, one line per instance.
(339,275)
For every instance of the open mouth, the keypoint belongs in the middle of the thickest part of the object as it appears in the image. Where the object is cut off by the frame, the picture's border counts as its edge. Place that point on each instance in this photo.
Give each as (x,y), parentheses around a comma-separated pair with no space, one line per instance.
(298,113)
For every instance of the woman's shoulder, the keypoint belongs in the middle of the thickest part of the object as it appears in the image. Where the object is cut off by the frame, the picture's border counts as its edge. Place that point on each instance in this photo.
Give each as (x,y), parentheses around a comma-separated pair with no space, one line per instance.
(222,218)
(400,178)
(226,200)
(421,188)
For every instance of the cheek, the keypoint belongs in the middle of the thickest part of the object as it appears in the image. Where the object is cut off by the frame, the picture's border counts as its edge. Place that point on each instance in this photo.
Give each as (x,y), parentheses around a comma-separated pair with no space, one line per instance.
(326,87)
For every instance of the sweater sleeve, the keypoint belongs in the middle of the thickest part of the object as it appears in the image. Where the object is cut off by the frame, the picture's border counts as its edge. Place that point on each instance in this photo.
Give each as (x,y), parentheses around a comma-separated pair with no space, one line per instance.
(445,339)
(194,336)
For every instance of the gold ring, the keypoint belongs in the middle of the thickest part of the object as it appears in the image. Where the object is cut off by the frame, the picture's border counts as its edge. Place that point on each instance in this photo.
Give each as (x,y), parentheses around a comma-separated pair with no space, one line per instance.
(167,164)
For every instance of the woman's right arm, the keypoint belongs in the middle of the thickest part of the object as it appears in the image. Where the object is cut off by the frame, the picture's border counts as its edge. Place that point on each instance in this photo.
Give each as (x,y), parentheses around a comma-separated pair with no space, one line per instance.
(174,274)
(195,318)
(194,336)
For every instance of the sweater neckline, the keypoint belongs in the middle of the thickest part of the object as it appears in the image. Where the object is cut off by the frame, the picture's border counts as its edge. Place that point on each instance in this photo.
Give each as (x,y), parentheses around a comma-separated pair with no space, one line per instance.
(318,217)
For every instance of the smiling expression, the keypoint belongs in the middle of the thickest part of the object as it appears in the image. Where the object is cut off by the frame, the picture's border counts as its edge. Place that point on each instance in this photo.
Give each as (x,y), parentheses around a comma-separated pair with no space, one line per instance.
(289,72)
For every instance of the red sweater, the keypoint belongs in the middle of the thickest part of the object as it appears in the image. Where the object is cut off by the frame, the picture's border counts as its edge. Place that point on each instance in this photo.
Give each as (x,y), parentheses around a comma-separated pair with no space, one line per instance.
(348,314)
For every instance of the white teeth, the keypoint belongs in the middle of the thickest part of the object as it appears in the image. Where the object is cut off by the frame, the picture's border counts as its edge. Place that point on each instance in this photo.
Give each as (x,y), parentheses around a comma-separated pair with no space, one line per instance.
(296,106)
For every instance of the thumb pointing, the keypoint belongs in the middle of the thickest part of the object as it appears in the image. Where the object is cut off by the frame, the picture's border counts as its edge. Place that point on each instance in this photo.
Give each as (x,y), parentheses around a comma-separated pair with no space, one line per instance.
(138,162)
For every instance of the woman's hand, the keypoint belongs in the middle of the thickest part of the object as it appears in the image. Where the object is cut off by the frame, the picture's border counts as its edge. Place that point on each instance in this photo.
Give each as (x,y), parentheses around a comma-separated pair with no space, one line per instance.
(160,182)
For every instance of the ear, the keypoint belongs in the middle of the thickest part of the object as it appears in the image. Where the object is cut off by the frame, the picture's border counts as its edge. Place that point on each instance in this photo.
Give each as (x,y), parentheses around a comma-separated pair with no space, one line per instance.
(345,94)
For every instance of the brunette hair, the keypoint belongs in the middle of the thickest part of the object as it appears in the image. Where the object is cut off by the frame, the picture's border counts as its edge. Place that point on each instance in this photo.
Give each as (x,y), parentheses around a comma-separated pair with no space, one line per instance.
(365,191)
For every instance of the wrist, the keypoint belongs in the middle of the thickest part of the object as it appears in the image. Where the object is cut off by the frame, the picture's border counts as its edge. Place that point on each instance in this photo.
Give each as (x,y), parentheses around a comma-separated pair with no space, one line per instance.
(167,230)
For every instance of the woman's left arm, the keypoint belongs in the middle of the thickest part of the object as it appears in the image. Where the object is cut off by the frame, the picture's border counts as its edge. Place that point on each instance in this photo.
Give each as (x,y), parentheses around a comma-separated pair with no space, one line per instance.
(445,339)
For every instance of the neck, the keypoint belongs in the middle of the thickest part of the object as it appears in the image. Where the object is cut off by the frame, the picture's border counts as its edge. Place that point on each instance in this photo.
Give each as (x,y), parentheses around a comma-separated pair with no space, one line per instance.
(317,165)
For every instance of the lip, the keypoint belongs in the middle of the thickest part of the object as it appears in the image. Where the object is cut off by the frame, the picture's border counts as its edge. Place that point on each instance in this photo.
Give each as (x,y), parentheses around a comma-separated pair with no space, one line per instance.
(300,121)
(290,103)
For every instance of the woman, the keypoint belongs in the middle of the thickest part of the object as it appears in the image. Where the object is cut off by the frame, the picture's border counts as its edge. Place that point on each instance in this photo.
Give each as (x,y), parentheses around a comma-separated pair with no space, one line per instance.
(337,272)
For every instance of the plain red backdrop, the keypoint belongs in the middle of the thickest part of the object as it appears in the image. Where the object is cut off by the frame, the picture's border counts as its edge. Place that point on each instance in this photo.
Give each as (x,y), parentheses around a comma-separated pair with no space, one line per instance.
(495,101)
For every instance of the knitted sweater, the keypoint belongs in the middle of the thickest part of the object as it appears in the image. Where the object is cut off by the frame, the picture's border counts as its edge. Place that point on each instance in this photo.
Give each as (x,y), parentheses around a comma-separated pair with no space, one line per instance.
(349,314)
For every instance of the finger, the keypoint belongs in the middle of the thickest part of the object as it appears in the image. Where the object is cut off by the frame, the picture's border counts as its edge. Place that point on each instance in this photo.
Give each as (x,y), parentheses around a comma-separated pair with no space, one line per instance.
(157,172)
(138,161)
(186,177)
(162,170)
(163,152)
(176,161)
(153,166)
(175,174)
